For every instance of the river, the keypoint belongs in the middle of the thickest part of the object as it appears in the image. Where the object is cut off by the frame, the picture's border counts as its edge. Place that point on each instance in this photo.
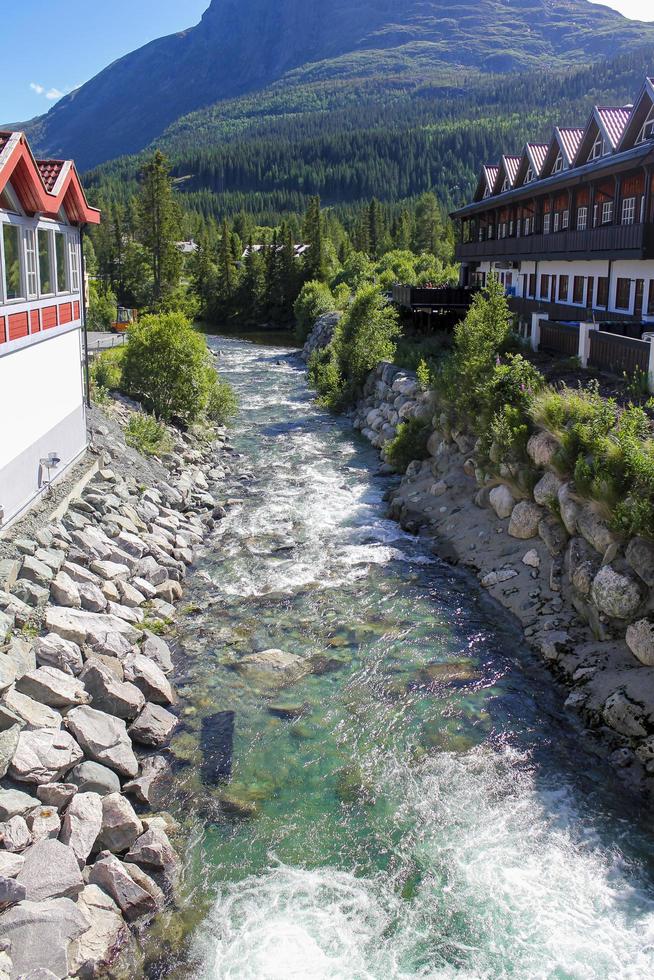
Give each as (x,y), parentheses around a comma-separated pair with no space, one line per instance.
(425,806)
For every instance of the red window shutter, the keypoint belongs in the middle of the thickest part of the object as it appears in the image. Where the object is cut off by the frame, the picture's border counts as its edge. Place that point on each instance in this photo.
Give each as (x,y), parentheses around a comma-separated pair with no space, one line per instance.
(18,326)
(65,313)
(35,323)
(48,317)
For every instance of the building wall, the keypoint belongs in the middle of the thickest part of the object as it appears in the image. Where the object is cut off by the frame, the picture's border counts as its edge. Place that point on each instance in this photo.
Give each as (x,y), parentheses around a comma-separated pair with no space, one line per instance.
(42,411)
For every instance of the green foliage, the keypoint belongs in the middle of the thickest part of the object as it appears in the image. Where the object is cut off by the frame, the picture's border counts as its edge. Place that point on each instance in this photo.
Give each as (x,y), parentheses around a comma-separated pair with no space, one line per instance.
(315,299)
(167,367)
(159,225)
(409,444)
(222,403)
(148,436)
(423,375)
(102,311)
(107,369)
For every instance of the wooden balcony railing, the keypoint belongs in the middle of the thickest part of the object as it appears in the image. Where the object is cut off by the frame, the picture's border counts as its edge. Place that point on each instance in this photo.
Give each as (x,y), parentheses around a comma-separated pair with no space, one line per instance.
(631,241)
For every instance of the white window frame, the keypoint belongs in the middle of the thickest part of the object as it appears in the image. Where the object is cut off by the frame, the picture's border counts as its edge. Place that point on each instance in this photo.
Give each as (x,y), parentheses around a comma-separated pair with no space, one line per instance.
(582,218)
(598,148)
(530,176)
(628,210)
(74,263)
(66,289)
(51,259)
(557,221)
(558,164)
(647,129)
(607,212)
(565,219)
(31,263)
(547,217)
(12,222)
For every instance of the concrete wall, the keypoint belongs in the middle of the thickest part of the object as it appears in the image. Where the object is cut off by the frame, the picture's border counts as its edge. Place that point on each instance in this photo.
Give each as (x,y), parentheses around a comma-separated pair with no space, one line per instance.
(41,412)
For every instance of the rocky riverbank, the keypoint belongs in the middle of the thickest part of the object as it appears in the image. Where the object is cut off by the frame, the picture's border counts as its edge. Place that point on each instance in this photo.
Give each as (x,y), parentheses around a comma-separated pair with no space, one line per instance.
(583,594)
(87,706)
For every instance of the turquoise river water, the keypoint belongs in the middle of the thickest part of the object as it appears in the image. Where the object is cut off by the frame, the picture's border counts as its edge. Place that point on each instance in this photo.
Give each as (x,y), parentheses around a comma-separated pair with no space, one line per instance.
(424,806)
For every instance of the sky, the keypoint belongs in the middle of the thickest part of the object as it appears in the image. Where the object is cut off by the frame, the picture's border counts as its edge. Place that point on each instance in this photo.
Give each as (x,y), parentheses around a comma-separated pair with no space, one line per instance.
(35,72)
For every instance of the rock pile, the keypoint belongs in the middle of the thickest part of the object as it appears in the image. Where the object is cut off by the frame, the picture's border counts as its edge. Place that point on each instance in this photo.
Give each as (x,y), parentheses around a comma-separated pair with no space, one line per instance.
(321,335)
(390,396)
(85,701)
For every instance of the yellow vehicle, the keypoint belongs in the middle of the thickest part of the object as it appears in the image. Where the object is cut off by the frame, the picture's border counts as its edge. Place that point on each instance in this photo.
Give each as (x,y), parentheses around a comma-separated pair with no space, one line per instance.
(124,320)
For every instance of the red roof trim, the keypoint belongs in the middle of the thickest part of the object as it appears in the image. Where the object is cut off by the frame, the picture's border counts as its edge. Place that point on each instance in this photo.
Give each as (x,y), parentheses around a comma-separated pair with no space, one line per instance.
(43,186)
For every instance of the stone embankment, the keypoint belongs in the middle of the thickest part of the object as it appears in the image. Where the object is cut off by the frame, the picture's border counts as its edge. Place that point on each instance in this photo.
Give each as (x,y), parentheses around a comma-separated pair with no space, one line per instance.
(87,706)
(321,335)
(583,594)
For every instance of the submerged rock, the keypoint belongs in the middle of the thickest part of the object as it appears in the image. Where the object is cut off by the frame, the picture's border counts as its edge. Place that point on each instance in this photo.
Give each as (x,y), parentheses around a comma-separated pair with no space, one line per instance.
(450,674)
(217,742)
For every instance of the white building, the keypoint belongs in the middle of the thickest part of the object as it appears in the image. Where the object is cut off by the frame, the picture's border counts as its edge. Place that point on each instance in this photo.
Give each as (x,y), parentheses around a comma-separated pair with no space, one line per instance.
(43,210)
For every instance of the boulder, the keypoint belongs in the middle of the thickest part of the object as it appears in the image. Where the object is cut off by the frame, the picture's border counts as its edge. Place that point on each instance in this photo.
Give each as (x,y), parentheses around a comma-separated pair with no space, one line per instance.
(40,934)
(65,592)
(53,687)
(546,491)
(7,621)
(15,803)
(109,694)
(10,864)
(542,448)
(615,594)
(22,654)
(114,878)
(110,570)
(11,893)
(51,870)
(56,795)
(95,951)
(150,570)
(87,627)
(553,533)
(120,825)
(44,823)
(158,650)
(91,777)
(15,835)
(14,607)
(44,756)
(154,852)
(525,518)
(594,529)
(37,572)
(640,556)
(8,746)
(154,726)
(54,651)
(276,667)
(33,714)
(79,574)
(568,509)
(92,598)
(145,588)
(154,772)
(149,678)
(104,739)
(52,557)
(82,824)
(502,501)
(640,640)
(624,715)
(129,596)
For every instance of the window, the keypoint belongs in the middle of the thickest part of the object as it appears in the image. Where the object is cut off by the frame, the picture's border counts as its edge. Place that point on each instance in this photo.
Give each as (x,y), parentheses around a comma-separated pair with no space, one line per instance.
(558,164)
(607,212)
(491,231)
(545,287)
(582,219)
(557,220)
(74,265)
(565,219)
(602,299)
(530,176)
(532,285)
(45,262)
(598,149)
(487,192)
(60,253)
(31,277)
(650,300)
(628,210)
(529,226)
(578,289)
(623,294)
(564,287)
(546,223)
(510,229)
(506,186)
(11,240)
(647,129)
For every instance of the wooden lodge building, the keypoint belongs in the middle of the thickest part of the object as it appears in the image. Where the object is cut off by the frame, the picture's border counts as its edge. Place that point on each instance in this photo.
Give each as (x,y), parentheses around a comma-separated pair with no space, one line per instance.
(43,210)
(568,226)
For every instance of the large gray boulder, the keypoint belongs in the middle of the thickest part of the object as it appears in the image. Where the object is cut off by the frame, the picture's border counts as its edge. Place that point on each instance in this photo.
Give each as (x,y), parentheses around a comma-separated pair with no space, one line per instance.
(91,777)
(640,640)
(96,951)
(86,627)
(65,592)
(525,518)
(148,676)
(54,651)
(82,824)
(542,448)
(120,825)
(104,739)
(32,714)
(155,772)
(594,529)
(108,693)
(615,594)
(53,687)
(15,803)
(7,621)
(158,650)
(546,491)
(154,852)
(44,756)
(44,823)
(640,555)
(114,878)
(36,571)
(22,654)
(8,746)
(11,893)
(57,795)
(50,870)
(275,667)
(111,571)
(41,933)
(154,726)
(92,598)
(10,864)
(15,835)
(502,501)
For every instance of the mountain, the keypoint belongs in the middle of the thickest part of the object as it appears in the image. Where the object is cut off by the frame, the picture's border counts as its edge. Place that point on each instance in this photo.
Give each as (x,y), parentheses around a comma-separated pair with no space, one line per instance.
(325,50)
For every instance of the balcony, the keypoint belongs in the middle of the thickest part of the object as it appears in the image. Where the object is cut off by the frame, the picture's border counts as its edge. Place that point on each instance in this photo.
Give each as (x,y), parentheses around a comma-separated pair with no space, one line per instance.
(607,241)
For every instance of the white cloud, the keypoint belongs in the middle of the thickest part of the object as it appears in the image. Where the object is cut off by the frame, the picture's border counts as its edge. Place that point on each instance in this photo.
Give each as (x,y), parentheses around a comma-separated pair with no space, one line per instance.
(39,89)
(54,93)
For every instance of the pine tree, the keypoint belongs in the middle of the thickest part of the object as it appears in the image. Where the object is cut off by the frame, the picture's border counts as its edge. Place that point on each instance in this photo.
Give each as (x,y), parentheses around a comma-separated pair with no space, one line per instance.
(159,225)
(314,261)
(429,225)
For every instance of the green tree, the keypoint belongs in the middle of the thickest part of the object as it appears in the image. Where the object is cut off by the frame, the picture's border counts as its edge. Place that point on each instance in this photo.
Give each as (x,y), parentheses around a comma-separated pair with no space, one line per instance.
(315,299)
(158,218)
(315,259)
(429,225)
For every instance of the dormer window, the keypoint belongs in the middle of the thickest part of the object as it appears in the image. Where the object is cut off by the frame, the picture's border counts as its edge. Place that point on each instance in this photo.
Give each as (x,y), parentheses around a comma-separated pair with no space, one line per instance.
(599,148)
(647,129)
(487,192)
(530,176)
(506,186)
(558,164)
(9,200)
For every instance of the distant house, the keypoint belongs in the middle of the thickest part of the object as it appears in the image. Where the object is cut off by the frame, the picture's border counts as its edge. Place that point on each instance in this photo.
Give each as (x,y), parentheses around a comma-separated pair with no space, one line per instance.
(298,250)
(187,248)
(43,210)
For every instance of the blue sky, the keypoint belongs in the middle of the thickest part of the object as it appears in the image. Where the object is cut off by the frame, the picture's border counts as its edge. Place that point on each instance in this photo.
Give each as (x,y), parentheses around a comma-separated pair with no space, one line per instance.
(52,46)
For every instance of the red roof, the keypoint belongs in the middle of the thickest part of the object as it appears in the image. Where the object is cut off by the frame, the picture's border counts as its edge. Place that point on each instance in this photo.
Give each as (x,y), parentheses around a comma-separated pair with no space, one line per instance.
(43,186)
(570,139)
(614,119)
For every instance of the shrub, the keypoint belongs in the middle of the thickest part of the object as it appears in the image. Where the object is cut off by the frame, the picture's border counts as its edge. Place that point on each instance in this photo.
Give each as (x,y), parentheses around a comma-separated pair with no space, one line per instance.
(107,369)
(409,444)
(150,437)
(167,367)
(102,311)
(222,404)
(315,299)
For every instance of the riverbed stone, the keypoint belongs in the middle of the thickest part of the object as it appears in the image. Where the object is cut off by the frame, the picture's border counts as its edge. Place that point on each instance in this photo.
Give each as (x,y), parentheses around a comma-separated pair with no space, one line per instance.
(502,501)
(104,739)
(33,714)
(155,772)
(624,715)
(87,627)
(53,651)
(36,571)
(542,448)
(96,949)
(525,518)
(8,746)
(51,870)
(82,825)
(640,556)
(120,825)
(40,934)
(615,594)
(158,650)
(92,599)
(53,687)
(276,667)
(124,700)
(148,676)
(594,528)
(57,795)
(114,878)
(15,803)
(44,756)
(154,726)
(65,592)
(44,823)
(91,777)
(15,835)
(640,640)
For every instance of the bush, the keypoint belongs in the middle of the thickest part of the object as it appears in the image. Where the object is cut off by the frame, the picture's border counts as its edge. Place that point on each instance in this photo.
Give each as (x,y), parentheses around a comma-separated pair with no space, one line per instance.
(150,437)
(315,299)
(102,312)
(107,369)
(167,367)
(409,444)
(222,404)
